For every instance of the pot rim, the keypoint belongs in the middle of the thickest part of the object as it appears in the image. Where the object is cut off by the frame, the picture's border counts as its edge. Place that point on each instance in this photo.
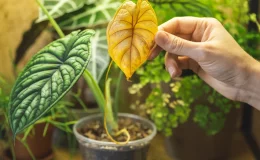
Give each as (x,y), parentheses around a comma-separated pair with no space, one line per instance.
(112,144)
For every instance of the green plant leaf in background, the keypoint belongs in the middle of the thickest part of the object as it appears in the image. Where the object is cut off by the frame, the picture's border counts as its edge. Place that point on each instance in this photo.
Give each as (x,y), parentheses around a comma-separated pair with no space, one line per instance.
(90,16)
(57,8)
(167,9)
(47,78)
(99,57)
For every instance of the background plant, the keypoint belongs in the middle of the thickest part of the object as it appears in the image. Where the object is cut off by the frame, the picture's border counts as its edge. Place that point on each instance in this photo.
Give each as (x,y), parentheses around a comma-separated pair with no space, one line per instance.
(171,102)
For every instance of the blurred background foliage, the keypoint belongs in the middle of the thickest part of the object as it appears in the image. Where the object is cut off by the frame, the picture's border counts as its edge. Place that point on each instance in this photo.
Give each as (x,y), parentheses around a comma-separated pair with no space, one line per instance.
(190,97)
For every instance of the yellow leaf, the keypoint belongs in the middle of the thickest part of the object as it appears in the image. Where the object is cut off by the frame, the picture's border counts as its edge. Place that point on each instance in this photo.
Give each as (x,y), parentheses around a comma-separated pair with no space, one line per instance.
(130,35)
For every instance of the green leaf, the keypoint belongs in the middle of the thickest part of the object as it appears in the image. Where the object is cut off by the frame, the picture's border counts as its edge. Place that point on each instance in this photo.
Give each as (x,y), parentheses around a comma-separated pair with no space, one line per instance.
(99,57)
(57,8)
(90,16)
(48,77)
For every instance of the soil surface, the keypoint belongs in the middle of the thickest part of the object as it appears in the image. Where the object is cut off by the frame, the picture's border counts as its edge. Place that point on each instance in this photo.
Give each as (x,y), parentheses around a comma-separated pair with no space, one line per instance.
(96,131)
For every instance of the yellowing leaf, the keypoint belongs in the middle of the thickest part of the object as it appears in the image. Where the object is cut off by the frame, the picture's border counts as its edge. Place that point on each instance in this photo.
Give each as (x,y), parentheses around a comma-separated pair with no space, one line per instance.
(130,35)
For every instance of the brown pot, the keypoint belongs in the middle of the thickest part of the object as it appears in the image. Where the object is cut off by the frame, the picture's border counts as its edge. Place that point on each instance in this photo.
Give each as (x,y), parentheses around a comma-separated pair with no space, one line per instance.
(40,146)
(189,141)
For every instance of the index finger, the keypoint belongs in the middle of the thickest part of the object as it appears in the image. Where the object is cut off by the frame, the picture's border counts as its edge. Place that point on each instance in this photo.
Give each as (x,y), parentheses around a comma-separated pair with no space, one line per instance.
(184,27)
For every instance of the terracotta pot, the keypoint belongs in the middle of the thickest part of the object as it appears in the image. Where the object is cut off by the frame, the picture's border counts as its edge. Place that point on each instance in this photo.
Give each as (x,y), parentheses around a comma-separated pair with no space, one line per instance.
(189,141)
(40,146)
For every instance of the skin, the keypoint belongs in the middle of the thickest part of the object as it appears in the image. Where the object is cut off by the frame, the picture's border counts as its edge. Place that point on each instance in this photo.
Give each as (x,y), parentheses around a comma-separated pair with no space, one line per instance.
(204,46)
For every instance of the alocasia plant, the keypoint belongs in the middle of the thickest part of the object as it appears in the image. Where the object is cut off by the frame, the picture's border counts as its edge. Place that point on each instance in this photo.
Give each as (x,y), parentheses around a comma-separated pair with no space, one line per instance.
(57,8)
(130,35)
(94,15)
(48,77)
(99,57)
(78,14)
(54,70)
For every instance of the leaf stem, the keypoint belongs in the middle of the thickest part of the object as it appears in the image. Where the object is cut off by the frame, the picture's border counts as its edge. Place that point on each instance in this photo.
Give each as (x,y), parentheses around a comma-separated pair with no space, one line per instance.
(109,115)
(53,22)
(117,95)
(95,89)
(27,148)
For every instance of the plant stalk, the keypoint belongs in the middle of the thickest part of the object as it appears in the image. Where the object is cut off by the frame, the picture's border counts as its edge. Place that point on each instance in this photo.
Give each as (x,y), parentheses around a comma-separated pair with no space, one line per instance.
(53,22)
(117,95)
(27,148)
(95,90)
(110,114)
(112,124)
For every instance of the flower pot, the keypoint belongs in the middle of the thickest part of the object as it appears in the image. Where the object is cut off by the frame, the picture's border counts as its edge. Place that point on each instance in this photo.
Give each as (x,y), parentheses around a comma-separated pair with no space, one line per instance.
(99,150)
(40,146)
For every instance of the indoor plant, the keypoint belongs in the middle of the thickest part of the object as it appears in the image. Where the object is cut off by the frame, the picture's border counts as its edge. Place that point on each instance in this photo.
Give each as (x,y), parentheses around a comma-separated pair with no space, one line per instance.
(53,71)
(120,31)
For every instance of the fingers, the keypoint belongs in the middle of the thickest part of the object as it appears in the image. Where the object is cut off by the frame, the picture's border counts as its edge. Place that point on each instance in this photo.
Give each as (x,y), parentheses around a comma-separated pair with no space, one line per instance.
(186,25)
(178,46)
(157,49)
(171,65)
(188,28)
(175,64)
(188,63)
(182,27)
(154,52)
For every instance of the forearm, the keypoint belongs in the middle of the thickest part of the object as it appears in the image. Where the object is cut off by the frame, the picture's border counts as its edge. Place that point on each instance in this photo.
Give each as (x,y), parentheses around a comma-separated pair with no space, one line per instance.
(251,92)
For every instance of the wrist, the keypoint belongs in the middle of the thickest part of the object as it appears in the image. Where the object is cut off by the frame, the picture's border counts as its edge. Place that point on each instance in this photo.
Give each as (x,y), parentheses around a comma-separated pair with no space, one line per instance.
(251,91)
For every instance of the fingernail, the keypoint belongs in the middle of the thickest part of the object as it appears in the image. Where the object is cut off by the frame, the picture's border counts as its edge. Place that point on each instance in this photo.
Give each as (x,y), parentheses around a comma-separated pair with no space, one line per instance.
(171,71)
(151,56)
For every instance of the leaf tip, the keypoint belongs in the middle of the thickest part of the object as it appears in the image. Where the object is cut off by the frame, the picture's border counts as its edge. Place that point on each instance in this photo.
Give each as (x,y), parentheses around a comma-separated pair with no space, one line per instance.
(14,137)
(128,79)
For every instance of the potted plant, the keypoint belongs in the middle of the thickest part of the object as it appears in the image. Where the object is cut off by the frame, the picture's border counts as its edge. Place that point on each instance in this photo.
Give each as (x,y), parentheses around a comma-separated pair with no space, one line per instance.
(52,72)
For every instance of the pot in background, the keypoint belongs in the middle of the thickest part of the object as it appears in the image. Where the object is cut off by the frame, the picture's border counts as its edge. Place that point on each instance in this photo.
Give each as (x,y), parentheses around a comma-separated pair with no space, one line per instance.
(40,146)
(93,149)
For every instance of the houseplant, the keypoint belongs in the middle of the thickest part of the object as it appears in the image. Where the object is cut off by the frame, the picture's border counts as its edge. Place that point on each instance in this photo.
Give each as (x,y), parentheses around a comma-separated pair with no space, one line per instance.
(135,149)
(54,70)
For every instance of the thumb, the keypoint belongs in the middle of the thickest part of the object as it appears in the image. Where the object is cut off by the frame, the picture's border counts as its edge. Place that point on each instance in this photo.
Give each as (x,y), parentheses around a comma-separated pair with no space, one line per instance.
(177,45)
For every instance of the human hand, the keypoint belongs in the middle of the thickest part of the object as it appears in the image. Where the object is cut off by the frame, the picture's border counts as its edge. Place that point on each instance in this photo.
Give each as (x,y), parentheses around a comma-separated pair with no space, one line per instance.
(204,46)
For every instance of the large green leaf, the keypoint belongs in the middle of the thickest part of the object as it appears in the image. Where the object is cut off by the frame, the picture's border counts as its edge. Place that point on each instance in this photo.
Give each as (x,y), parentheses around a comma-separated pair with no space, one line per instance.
(99,58)
(90,16)
(48,77)
(57,8)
